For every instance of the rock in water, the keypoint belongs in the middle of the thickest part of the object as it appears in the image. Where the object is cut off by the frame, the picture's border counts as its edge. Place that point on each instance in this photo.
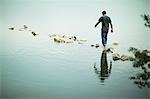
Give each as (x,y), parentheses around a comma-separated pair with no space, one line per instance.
(34,34)
(116,56)
(109,50)
(11,28)
(124,57)
(74,38)
(92,45)
(25,27)
(65,39)
(115,43)
(96,45)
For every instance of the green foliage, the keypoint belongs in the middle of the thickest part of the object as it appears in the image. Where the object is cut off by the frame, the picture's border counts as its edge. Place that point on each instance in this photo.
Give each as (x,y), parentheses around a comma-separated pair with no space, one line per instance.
(142,61)
(141,57)
(146,19)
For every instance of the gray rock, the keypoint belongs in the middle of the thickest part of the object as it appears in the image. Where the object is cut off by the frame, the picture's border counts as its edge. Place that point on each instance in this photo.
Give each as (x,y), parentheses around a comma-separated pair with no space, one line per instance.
(25,27)
(109,50)
(96,46)
(65,39)
(34,34)
(116,56)
(124,57)
(11,28)
(92,45)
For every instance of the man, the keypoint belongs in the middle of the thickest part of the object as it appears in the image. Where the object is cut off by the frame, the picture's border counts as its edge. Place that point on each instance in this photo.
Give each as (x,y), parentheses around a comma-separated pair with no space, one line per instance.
(105,27)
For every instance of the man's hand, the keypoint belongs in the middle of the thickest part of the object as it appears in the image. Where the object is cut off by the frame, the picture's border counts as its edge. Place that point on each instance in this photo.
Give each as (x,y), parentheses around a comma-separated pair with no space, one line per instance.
(111,30)
(95,25)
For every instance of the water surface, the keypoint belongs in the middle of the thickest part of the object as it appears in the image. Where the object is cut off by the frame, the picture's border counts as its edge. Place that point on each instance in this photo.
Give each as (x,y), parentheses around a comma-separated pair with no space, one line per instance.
(36,67)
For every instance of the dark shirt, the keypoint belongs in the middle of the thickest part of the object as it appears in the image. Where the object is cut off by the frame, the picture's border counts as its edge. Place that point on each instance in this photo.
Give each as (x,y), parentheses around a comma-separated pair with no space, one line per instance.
(105,23)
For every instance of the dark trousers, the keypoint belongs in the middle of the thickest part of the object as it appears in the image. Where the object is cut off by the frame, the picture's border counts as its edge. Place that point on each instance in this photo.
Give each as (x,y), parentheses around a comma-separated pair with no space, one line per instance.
(104,38)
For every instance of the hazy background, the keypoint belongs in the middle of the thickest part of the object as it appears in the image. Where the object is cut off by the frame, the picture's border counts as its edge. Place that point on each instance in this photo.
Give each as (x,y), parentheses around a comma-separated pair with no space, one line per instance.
(78,17)
(36,67)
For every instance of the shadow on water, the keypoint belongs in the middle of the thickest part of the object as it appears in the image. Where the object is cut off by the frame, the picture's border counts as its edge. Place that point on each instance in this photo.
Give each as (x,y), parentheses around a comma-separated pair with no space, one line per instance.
(105,70)
(141,61)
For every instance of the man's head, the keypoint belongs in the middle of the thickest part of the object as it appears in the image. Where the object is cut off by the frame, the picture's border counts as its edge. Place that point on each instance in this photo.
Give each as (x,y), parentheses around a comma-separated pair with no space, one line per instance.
(103,12)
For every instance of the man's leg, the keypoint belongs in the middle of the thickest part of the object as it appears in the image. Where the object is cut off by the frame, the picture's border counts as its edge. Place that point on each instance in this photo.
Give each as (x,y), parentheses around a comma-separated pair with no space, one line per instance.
(104,38)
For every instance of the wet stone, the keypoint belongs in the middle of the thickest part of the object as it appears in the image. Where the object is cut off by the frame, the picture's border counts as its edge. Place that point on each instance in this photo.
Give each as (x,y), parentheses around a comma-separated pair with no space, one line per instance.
(109,50)
(65,39)
(116,57)
(92,45)
(11,28)
(124,57)
(34,34)
(96,46)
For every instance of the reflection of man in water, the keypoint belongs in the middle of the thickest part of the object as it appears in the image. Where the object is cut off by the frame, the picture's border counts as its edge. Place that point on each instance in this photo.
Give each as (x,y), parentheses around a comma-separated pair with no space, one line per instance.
(105,70)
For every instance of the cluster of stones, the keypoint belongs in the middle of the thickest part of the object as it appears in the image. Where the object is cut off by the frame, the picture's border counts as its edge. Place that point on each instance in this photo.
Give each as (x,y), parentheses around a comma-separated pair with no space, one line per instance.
(66,39)
(24,28)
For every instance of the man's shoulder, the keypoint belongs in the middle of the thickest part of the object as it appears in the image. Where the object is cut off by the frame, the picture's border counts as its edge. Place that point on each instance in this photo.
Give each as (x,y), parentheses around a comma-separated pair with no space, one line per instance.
(102,17)
(107,16)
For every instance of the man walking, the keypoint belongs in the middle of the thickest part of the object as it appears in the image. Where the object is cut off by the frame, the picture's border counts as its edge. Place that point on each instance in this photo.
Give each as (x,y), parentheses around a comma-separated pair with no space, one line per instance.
(105,27)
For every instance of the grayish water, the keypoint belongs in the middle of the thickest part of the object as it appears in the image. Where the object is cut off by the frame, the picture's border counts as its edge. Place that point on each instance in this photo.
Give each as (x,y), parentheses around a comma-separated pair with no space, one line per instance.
(35,67)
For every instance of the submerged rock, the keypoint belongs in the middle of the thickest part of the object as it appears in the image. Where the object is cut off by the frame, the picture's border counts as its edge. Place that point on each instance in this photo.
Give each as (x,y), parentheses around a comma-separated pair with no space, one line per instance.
(25,27)
(115,43)
(83,40)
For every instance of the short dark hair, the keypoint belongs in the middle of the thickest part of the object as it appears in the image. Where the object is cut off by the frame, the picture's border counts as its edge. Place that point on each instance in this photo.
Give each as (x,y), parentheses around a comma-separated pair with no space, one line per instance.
(103,12)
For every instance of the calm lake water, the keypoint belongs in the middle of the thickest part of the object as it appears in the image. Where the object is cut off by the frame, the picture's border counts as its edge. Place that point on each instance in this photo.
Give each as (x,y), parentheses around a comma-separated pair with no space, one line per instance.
(37,68)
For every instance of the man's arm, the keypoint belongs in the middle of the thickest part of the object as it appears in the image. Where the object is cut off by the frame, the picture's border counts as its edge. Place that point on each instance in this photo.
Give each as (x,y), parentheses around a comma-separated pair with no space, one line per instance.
(111,25)
(100,19)
(97,23)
